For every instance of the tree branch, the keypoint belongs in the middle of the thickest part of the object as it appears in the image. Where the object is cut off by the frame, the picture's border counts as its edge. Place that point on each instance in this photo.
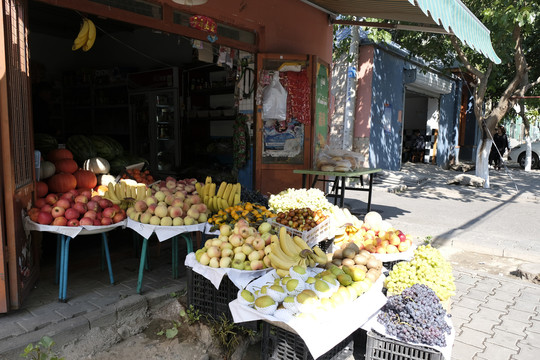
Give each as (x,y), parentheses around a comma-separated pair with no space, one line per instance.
(464,58)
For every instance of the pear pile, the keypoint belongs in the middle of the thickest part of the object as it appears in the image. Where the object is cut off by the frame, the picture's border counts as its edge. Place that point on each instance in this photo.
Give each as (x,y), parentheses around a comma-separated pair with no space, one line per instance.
(307,294)
(241,247)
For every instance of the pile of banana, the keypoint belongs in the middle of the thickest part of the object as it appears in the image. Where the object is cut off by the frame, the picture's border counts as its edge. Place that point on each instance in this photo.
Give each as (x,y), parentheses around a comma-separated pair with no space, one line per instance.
(287,251)
(227,194)
(126,192)
(86,37)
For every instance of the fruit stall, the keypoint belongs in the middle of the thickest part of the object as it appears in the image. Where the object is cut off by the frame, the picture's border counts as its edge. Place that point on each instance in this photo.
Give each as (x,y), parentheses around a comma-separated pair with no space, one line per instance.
(288,265)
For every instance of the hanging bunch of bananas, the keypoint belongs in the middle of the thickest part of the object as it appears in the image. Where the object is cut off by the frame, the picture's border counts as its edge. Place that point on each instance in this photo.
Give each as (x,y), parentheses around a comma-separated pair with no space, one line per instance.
(287,251)
(86,37)
(227,194)
(126,192)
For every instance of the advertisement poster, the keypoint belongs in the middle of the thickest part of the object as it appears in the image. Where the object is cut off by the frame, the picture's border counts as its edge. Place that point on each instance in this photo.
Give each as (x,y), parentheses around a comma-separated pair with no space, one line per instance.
(321,107)
(283,141)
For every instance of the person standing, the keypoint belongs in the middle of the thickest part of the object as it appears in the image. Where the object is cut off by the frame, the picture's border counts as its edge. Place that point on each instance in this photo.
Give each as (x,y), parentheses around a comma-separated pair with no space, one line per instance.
(501,143)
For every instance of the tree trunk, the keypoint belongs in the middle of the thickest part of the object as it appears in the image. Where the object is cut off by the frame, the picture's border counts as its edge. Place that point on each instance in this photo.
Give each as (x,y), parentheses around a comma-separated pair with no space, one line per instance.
(482,160)
(527,137)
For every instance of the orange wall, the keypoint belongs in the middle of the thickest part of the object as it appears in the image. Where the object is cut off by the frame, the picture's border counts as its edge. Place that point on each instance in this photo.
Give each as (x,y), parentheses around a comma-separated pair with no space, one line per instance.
(284,26)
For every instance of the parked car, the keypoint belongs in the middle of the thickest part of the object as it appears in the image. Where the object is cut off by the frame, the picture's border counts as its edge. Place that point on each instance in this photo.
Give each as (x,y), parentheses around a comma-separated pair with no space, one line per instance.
(517,154)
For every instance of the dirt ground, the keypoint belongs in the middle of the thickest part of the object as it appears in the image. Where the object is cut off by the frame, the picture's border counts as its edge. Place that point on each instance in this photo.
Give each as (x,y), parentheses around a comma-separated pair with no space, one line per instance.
(197,341)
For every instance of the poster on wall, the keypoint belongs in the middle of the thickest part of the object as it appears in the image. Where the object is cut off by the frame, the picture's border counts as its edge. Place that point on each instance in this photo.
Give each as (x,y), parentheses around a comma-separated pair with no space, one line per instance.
(283,141)
(387,118)
(321,107)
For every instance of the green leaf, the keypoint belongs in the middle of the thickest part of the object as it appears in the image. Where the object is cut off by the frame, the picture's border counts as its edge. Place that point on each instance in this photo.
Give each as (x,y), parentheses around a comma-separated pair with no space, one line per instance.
(171,333)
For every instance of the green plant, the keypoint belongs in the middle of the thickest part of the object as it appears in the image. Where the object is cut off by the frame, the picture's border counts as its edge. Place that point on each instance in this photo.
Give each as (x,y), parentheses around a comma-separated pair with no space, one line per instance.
(189,316)
(41,351)
(428,239)
(228,334)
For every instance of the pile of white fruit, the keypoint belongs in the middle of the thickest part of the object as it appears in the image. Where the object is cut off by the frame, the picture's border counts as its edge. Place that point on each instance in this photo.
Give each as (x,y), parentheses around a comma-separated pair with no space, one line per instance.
(173,203)
(242,247)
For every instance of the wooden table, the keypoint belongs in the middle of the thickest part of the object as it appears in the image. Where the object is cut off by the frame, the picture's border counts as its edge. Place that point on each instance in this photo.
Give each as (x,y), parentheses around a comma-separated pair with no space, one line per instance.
(338,187)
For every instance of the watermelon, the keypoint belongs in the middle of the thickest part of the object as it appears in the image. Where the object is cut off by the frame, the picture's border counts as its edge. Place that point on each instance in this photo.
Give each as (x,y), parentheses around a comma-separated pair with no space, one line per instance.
(118,164)
(82,148)
(106,147)
(45,143)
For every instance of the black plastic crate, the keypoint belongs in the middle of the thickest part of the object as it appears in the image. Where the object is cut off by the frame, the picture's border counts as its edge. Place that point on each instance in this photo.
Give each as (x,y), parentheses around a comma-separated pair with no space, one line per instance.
(389,265)
(325,245)
(379,347)
(280,344)
(204,296)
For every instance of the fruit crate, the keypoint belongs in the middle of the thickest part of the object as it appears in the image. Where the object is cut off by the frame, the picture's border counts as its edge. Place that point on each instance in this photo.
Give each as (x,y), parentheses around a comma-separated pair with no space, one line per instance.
(280,344)
(208,300)
(379,347)
(312,237)
(326,245)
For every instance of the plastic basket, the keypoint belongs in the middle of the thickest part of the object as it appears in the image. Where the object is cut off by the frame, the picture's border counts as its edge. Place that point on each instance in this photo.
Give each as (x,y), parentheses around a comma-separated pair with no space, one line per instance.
(382,348)
(205,298)
(280,344)
(312,237)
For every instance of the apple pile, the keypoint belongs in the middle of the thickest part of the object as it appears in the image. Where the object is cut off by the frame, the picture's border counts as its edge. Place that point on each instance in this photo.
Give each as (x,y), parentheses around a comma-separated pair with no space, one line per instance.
(75,208)
(173,203)
(374,235)
(242,247)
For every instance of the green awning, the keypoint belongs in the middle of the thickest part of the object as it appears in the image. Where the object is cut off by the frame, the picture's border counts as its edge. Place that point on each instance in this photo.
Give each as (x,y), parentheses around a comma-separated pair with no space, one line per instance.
(451,15)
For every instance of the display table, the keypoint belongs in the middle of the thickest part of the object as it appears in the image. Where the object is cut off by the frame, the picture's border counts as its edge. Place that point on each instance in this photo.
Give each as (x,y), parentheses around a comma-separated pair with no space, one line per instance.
(338,187)
(163,233)
(64,236)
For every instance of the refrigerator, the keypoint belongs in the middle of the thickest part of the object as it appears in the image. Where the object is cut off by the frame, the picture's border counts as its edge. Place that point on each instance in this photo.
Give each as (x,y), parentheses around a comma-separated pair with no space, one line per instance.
(155,119)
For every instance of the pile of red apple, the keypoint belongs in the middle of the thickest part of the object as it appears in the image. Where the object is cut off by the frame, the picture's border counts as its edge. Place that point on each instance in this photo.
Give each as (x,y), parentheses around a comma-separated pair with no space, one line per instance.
(75,208)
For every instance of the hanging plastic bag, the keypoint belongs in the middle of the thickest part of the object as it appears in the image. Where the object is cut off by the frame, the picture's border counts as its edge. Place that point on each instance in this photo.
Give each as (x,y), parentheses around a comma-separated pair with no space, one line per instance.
(275,100)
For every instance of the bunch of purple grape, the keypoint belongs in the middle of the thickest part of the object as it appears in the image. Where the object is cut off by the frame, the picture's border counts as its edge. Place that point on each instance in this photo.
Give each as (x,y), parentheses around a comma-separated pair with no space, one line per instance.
(416,316)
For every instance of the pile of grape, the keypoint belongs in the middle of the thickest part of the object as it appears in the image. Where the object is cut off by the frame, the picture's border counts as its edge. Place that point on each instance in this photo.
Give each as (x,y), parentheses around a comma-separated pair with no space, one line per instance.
(299,198)
(253,196)
(428,267)
(301,219)
(416,316)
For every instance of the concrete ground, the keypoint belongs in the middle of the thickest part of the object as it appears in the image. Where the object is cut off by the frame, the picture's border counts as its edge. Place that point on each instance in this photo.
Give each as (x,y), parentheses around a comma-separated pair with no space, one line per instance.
(487,234)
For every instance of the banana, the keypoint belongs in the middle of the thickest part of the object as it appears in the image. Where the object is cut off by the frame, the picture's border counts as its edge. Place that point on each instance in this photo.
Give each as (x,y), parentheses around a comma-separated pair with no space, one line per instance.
(111,191)
(227,192)
(311,262)
(230,198)
(300,243)
(276,249)
(212,189)
(82,37)
(281,263)
(208,180)
(221,189)
(148,192)
(238,188)
(236,199)
(120,190)
(198,187)
(224,204)
(91,36)
(319,256)
(285,244)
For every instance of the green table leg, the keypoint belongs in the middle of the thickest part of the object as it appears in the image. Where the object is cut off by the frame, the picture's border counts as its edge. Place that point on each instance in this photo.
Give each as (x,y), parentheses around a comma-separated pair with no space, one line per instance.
(175,257)
(142,265)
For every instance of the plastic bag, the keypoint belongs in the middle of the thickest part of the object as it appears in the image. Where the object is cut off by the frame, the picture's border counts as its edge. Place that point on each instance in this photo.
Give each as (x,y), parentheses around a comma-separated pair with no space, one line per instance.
(275,100)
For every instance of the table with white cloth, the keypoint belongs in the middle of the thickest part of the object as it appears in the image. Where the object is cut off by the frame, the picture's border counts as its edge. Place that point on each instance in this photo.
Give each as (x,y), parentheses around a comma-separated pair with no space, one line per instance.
(64,236)
(163,233)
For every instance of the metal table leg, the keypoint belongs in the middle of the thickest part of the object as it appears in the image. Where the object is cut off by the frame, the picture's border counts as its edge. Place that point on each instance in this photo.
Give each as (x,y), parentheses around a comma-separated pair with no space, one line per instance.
(369,192)
(64,270)
(342,191)
(175,257)
(142,265)
(107,256)
(58,257)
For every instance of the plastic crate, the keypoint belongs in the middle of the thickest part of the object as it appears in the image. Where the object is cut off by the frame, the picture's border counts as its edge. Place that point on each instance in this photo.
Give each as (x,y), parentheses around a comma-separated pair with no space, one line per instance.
(326,245)
(312,237)
(379,347)
(280,344)
(205,298)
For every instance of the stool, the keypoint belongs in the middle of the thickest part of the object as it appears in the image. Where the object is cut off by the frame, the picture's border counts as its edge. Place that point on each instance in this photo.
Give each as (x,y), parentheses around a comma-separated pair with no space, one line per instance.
(144,264)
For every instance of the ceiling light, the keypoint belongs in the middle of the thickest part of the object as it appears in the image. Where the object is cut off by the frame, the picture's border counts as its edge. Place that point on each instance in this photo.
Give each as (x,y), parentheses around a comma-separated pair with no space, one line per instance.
(190,2)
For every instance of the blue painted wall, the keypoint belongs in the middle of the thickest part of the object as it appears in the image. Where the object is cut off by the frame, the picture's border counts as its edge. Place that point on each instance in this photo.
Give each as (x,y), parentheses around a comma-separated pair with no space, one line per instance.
(447,127)
(387,88)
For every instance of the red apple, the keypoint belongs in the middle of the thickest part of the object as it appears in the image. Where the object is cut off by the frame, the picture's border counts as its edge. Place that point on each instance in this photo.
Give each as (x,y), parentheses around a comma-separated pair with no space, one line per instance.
(86,221)
(63,202)
(40,202)
(71,213)
(402,237)
(81,198)
(97,222)
(80,207)
(119,216)
(57,211)
(73,222)
(106,221)
(33,214)
(51,199)
(108,212)
(116,207)
(96,198)
(68,196)
(86,192)
(99,215)
(75,192)
(46,208)
(90,214)
(105,203)
(44,218)
(92,205)
(59,221)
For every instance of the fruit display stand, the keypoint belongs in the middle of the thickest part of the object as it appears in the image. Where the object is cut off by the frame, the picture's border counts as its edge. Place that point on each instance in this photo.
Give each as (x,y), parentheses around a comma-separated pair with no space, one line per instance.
(64,236)
(210,290)
(308,329)
(163,233)
(321,232)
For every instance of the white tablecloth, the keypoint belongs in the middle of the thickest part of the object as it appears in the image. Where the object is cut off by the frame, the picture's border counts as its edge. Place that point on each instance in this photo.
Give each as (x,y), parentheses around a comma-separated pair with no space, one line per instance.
(162,232)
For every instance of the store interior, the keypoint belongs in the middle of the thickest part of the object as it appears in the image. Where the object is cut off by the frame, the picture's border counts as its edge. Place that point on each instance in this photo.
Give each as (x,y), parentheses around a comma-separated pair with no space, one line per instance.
(166,100)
